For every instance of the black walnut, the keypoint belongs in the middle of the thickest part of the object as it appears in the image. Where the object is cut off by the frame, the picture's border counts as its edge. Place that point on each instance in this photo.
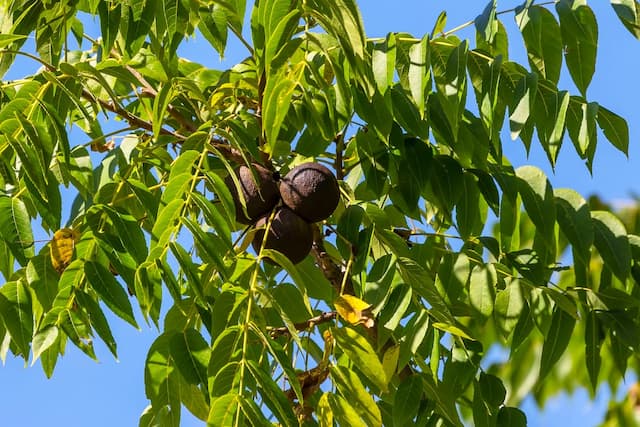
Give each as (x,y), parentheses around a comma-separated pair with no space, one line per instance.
(311,191)
(260,193)
(289,234)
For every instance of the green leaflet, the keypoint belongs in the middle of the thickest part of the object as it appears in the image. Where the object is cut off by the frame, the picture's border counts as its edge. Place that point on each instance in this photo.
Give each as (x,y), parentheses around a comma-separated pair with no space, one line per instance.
(482,290)
(110,291)
(352,389)
(542,39)
(628,13)
(161,379)
(406,401)
(537,197)
(98,320)
(556,341)
(419,74)
(362,354)
(277,101)
(15,228)
(344,413)
(15,311)
(579,30)
(593,338)
(610,238)
(615,128)
(383,61)
(273,395)
(508,308)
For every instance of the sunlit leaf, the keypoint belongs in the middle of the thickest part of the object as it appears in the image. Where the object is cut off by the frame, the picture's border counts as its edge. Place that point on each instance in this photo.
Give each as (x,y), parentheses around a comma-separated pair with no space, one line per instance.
(362,354)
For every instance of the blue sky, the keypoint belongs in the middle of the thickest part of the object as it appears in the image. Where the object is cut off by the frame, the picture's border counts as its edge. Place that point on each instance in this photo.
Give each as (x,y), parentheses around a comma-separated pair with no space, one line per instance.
(111,393)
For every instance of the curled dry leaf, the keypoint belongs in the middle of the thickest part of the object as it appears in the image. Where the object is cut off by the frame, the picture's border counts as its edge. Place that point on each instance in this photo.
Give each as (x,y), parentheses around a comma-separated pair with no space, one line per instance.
(354,310)
(61,248)
(102,146)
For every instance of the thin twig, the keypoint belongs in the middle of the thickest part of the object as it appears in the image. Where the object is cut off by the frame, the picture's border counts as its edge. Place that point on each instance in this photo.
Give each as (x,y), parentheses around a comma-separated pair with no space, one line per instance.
(130,118)
(327,316)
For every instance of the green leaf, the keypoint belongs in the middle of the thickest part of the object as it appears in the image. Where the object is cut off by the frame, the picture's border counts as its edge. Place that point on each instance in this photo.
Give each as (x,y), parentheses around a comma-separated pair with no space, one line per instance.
(128,230)
(75,325)
(160,104)
(574,220)
(628,13)
(542,39)
(481,415)
(43,283)
(272,395)
(161,379)
(551,113)
(177,186)
(32,152)
(223,410)
(527,90)
(7,39)
(222,350)
(537,197)
(406,113)
(351,388)
(214,218)
(406,400)
(98,320)
(482,289)
(579,30)
(493,391)
(451,80)
(383,61)
(485,23)
(362,354)
(508,307)
(610,238)
(15,311)
(110,14)
(471,212)
(593,337)
(419,74)
(445,403)
(213,26)
(511,417)
(110,291)
(615,128)
(190,353)
(556,341)
(277,101)
(420,281)
(344,413)
(441,23)
(581,124)
(165,226)
(324,412)
(43,340)
(446,182)
(281,23)
(15,228)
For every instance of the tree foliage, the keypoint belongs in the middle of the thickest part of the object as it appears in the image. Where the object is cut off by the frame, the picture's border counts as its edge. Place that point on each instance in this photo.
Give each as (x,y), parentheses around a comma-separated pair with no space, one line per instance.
(439,251)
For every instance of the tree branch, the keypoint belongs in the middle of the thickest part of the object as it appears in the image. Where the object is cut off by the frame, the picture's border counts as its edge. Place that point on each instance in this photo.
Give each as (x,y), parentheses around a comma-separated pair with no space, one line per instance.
(329,268)
(327,316)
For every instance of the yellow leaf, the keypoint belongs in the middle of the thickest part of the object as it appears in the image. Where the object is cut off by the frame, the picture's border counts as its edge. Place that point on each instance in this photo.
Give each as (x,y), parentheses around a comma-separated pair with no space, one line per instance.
(354,310)
(61,248)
